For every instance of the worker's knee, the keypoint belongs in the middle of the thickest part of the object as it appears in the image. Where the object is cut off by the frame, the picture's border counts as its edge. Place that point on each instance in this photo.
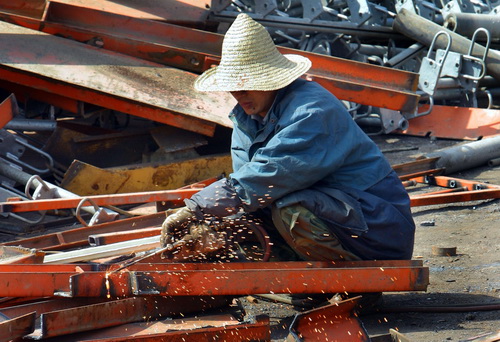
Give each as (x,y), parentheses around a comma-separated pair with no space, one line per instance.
(308,235)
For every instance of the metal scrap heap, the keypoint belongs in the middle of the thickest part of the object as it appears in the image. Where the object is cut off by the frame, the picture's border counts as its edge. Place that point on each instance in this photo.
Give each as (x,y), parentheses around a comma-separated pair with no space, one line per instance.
(101,131)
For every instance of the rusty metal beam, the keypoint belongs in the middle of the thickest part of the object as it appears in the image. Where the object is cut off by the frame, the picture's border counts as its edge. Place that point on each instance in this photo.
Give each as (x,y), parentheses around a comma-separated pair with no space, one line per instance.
(16,328)
(120,311)
(196,51)
(78,237)
(464,196)
(333,322)
(118,82)
(259,331)
(244,282)
(453,122)
(30,8)
(212,279)
(174,196)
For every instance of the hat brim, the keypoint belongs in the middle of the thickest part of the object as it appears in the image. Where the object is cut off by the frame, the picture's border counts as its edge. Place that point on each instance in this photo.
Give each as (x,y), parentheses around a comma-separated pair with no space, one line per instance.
(272,80)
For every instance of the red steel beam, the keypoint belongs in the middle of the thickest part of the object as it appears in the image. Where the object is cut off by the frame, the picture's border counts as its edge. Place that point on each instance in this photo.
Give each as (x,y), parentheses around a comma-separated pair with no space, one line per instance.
(211,279)
(14,329)
(245,282)
(197,50)
(259,331)
(333,322)
(120,311)
(119,82)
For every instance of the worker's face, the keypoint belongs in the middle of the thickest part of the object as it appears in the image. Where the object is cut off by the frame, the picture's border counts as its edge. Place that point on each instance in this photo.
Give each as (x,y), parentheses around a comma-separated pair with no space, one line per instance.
(255,102)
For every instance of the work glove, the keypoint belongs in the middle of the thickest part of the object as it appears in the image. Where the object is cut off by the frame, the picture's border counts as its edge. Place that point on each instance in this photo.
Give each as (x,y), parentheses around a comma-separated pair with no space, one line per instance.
(176,219)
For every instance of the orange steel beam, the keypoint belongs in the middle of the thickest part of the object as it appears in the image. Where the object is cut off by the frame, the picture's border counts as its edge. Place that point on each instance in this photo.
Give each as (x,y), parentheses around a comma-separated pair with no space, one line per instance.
(173,196)
(464,196)
(246,282)
(16,328)
(456,123)
(123,83)
(197,50)
(32,8)
(451,182)
(259,331)
(213,279)
(78,237)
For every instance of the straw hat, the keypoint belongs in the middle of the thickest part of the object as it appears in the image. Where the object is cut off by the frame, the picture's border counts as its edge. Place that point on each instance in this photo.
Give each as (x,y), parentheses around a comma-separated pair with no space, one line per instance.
(251,61)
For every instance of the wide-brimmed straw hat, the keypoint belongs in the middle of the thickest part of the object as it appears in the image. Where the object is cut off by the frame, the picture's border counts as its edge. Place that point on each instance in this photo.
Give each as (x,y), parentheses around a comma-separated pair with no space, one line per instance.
(251,61)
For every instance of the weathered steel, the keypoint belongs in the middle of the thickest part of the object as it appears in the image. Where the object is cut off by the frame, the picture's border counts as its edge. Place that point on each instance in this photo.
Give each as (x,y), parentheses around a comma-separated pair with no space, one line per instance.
(213,279)
(30,8)
(16,328)
(259,331)
(121,311)
(78,237)
(196,51)
(464,196)
(108,238)
(466,24)
(118,82)
(99,200)
(244,282)
(453,122)
(88,180)
(466,156)
(8,109)
(333,322)
(422,30)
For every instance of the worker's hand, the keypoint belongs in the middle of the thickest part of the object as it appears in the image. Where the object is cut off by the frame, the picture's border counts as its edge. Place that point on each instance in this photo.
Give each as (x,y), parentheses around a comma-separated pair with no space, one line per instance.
(176,218)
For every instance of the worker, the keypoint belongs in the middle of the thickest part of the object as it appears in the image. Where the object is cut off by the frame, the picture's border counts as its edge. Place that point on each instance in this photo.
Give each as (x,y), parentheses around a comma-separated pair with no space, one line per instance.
(299,158)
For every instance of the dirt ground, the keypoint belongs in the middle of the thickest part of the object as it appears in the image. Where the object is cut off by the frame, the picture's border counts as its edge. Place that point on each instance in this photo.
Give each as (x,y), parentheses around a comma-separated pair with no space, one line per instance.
(470,278)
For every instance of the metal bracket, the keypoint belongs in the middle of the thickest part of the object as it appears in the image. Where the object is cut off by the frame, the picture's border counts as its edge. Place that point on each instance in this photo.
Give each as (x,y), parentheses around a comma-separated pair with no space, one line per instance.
(474,68)
(100,215)
(431,69)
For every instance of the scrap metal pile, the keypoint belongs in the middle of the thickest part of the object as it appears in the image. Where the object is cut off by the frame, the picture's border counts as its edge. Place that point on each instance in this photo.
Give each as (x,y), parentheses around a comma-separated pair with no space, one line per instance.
(101,131)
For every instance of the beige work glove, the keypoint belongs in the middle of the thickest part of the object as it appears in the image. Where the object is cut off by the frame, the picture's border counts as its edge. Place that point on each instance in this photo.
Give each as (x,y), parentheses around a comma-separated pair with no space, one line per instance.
(176,219)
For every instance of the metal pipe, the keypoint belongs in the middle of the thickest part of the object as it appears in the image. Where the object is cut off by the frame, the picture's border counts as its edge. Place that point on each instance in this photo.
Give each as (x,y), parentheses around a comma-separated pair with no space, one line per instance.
(31,125)
(466,24)
(422,30)
(467,156)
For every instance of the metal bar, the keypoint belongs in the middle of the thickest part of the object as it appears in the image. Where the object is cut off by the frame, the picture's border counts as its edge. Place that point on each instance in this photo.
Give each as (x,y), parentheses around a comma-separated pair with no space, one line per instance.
(118,82)
(108,238)
(451,182)
(8,109)
(421,173)
(245,282)
(175,196)
(79,236)
(456,123)
(465,196)
(335,321)
(213,278)
(117,312)
(33,8)
(196,51)
(257,332)
(106,251)
(16,328)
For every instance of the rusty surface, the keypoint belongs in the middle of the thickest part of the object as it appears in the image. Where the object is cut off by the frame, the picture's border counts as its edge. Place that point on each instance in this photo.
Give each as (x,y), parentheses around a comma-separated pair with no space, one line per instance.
(110,80)
(99,200)
(453,122)
(120,311)
(256,332)
(8,109)
(212,279)
(30,8)
(333,322)
(17,327)
(197,50)
(457,190)
(244,282)
(78,237)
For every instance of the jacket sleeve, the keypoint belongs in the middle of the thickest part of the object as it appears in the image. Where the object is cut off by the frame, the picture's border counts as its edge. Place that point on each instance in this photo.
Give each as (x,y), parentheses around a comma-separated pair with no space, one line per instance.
(308,143)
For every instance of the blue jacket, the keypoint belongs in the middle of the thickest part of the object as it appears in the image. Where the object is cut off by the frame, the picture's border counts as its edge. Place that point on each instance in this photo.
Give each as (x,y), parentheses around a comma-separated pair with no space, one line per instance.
(311,152)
